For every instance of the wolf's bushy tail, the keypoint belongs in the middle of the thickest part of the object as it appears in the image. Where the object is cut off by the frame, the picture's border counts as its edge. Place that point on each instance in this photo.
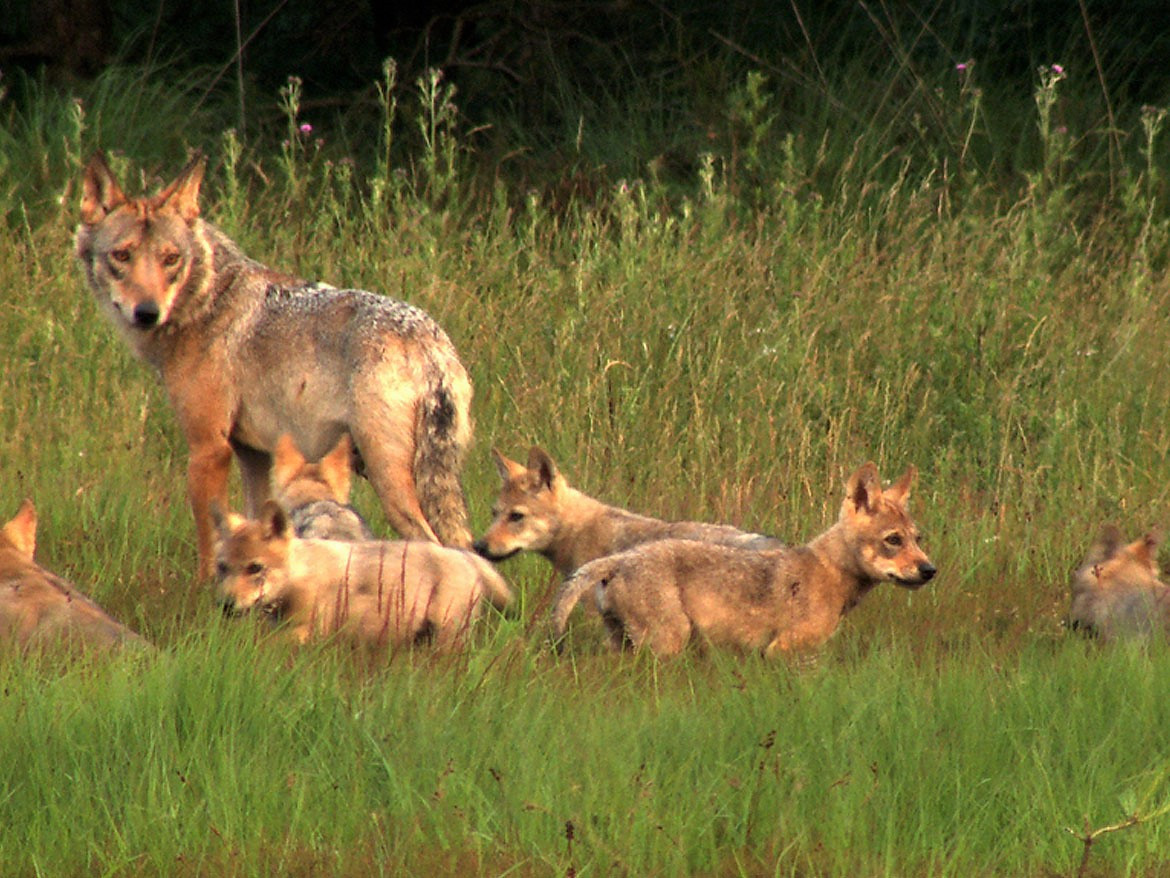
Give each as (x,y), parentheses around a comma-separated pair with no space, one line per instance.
(443,434)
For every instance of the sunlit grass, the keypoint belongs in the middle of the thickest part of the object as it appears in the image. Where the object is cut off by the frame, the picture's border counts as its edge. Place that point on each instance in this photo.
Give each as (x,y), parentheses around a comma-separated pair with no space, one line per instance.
(726,349)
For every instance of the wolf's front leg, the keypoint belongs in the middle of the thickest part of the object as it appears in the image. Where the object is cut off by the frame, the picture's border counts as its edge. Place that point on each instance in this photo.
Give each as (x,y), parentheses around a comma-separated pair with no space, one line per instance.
(207,477)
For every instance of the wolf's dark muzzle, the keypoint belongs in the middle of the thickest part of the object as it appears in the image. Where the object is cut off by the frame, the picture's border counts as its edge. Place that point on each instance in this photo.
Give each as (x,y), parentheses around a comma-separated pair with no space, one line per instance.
(146,314)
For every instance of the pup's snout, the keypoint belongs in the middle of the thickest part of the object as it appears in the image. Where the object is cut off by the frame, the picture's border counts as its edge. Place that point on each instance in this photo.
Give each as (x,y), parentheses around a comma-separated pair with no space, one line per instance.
(228,605)
(146,314)
(480,548)
(927,570)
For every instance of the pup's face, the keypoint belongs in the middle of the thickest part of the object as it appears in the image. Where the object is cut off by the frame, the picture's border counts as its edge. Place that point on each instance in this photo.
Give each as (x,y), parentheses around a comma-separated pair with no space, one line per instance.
(251,560)
(527,512)
(886,539)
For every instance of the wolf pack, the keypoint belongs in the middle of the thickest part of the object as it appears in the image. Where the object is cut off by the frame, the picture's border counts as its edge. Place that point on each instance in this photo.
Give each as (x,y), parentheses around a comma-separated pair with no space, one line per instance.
(306,385)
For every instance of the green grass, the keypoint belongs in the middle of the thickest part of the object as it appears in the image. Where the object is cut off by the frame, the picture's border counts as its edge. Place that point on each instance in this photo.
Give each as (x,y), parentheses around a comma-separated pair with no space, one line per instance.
(725,345)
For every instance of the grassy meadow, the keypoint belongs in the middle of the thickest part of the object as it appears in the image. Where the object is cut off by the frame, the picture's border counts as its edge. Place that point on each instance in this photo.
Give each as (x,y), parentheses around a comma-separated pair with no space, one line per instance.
(971,282)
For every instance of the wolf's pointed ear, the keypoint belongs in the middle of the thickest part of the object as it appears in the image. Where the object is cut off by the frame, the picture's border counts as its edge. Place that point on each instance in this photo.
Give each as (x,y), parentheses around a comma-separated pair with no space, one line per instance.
(217,517)
(1144,550)
(337,468)
(1107,544)
(100,192)
(182,193)
(864,488)
(21,531)
(273,520)
(508,469)
(542,464)
(900,490)
(286,459)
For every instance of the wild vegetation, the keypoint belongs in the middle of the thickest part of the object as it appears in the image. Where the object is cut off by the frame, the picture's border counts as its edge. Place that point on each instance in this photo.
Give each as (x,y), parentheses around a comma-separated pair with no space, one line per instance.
(908,266)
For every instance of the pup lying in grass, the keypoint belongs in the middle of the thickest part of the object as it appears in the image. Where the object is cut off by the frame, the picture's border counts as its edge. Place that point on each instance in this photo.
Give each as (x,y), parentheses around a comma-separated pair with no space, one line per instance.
(316,495)
(38,608)
(375,592)
(662,594)
(537,510)
(1116,592)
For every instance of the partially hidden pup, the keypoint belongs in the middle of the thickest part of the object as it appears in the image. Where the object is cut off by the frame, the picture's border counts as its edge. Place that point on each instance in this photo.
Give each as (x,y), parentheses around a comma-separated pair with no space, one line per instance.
(39,608)
(1116,592)
(538,510)
(662,595)
(316,495)
(247,353)
(379,593)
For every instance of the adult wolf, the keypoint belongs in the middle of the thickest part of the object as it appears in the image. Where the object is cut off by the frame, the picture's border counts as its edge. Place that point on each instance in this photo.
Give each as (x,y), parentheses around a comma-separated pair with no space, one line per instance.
(247,353)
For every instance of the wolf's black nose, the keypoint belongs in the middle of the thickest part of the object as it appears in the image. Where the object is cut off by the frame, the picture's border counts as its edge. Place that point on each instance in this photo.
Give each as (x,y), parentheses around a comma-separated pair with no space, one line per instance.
(927,571)
(480,548)
(146,314)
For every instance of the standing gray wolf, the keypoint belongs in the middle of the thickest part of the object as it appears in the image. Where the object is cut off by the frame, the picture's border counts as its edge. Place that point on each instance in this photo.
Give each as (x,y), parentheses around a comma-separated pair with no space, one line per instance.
(247,353)
(537,510)
(776,600)
(1116,592)
(374,592)
(39,608)
(316,495)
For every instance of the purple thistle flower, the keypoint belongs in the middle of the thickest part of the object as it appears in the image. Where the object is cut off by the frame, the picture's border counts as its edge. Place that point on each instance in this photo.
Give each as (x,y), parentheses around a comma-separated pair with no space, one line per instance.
(961,67)
(1057,69)
(306,128)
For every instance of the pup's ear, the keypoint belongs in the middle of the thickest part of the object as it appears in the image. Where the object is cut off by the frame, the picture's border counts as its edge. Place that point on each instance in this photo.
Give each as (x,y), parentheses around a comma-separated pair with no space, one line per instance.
(508,469)
(900,490)
(182,193)
(540,463)
(273,520)
(100,192)
(864,489)
(1144,551)
(1107,544)
(337,468)
(21,531)
(286,459)
(218,518)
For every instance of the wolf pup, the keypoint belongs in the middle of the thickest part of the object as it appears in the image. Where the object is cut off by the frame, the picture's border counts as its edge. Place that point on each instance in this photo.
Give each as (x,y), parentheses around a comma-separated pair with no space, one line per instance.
(38,608)
(538,511)
(247,353)
(316,495)
(374,592)
(777,600)
(1116,592)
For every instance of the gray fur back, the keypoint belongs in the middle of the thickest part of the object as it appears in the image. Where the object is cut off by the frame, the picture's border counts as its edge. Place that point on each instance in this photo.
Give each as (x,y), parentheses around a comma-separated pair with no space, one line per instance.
(329,520)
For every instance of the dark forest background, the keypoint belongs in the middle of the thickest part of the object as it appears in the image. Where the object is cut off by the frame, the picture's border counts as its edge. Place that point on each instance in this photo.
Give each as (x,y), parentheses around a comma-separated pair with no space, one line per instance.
(535,75)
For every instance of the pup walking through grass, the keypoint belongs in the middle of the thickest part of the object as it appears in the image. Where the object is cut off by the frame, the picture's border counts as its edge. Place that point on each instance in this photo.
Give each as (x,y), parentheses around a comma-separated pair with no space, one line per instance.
(662,594)
(247,353)
(538,510)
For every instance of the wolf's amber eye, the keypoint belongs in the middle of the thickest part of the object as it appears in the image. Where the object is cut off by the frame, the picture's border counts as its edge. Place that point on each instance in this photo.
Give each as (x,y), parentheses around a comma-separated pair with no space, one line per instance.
(254,568)
(170,260)
(515,516)
(894,540)
(120,255)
